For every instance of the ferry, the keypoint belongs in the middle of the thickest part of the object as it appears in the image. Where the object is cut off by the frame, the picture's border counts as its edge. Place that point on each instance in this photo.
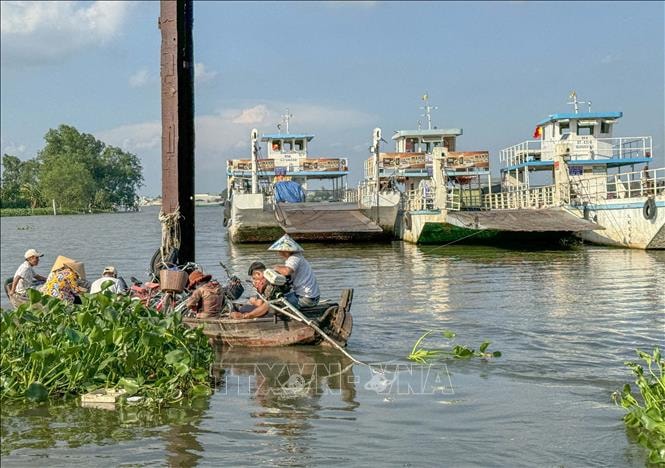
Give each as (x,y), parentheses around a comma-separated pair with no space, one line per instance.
(422,172)
(288,191)
(574,163)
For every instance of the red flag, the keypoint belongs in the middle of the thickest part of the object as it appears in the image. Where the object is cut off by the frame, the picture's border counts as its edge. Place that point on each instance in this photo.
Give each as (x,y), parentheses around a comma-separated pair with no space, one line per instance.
(538,132)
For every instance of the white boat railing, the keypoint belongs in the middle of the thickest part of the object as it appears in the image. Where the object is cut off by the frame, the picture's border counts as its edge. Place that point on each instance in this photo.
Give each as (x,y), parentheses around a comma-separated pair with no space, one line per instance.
(587,148)
(419,200)
(534,197)
(638,184)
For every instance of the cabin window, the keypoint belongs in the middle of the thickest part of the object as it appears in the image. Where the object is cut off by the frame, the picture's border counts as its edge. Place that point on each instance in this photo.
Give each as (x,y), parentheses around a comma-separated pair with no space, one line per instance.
(585,129)
(411,144)
(288,146)
(605,127)
(564,128)
(277,145)
(299,145)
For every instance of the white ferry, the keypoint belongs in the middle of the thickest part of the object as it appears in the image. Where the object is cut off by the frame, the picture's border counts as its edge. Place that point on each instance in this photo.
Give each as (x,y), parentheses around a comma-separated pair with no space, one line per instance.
(422,172)
(287,191)
(574,162)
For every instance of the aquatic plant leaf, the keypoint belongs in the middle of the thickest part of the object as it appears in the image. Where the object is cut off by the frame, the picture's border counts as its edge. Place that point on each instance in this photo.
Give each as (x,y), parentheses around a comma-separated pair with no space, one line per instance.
(484,346)
(36,392)
(34,296)
(174,356)
(130,385)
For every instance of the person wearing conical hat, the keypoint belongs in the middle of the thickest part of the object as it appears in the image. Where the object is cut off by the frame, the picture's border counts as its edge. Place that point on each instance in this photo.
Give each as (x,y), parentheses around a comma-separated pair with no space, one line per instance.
(305,286)
(63,281)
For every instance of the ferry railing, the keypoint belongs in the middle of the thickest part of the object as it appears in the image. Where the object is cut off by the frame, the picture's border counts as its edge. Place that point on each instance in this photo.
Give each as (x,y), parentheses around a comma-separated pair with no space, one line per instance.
(322,195)
(419,200)
(637,184)
(577,148)
(535,197)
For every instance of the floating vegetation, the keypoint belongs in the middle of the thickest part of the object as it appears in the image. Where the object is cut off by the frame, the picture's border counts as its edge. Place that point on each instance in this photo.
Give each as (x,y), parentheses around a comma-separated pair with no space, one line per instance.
(646,418)
(50,349)
(422,355)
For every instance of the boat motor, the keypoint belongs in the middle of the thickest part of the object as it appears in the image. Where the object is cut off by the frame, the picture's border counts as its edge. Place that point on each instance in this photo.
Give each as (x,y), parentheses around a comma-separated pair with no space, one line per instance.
(278,284)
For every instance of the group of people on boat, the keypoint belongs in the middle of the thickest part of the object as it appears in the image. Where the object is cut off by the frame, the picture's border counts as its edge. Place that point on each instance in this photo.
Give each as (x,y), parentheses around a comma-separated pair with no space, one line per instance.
(66,280)
(293,280)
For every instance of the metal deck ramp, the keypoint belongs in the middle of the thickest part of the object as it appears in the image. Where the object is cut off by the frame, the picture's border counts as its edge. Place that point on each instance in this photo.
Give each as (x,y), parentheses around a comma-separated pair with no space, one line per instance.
(524,220)
(325,220)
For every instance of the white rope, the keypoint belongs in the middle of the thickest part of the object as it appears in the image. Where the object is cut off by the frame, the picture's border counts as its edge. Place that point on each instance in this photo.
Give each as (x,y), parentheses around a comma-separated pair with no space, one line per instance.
(170,232)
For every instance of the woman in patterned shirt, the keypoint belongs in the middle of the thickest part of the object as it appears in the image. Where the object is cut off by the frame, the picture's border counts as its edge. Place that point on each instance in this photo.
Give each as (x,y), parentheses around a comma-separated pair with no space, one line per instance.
(63,281)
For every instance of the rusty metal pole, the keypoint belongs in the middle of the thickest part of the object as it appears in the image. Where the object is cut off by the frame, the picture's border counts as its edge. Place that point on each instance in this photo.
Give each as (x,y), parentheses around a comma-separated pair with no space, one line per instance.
(177,76)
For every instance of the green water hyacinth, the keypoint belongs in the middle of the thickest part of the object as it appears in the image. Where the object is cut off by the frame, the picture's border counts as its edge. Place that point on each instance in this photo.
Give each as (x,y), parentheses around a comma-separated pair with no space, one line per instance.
(50,349)
(646,416)
(422,355)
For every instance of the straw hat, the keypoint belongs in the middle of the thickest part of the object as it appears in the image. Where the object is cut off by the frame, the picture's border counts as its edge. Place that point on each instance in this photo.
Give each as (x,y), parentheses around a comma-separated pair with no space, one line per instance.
(195,277)
(285,244)
(32,253)
(72,264)
(111,270)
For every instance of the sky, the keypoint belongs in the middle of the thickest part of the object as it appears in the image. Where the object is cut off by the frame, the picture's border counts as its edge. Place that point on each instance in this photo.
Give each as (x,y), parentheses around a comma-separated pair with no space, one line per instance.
(494,69)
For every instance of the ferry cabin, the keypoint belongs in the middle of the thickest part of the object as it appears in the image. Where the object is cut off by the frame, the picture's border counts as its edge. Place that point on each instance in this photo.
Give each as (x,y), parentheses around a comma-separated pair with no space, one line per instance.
(578,151)
(410,167)
(287,159)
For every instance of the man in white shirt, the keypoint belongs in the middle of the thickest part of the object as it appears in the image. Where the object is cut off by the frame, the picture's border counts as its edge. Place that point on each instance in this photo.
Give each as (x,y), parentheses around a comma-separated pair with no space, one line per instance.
(25,278)
(305,287)
(110,275)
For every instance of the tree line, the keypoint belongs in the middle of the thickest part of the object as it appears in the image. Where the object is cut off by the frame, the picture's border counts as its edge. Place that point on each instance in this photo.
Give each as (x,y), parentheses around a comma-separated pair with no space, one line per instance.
(76,170)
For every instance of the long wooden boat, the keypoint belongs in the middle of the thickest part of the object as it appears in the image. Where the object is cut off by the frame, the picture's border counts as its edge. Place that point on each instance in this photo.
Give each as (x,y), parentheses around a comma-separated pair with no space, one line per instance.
(275,329)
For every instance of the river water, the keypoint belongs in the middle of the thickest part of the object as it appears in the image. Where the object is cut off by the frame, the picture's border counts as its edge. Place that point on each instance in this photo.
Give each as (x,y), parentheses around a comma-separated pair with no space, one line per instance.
(565,321)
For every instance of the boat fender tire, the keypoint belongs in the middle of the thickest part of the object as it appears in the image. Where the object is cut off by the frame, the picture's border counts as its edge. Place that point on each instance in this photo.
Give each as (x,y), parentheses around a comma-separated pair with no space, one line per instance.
(649,209)
(156,261)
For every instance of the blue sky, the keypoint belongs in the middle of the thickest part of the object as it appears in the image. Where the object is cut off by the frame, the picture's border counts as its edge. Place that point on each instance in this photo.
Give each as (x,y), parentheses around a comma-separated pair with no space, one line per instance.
(342,68)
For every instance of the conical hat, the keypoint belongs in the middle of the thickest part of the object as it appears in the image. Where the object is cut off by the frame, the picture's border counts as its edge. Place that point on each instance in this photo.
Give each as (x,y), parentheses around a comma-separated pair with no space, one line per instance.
(285,244)
(63,261)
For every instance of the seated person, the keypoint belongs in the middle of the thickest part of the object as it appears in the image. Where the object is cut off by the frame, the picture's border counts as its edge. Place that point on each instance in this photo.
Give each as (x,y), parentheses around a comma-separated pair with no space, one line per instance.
(109,275)
(63,281)
(305,286)
(207,299)
(256,306)
(25,278)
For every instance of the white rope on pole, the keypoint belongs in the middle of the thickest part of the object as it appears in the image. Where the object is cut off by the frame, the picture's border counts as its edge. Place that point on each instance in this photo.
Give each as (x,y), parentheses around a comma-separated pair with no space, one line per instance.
(170,232)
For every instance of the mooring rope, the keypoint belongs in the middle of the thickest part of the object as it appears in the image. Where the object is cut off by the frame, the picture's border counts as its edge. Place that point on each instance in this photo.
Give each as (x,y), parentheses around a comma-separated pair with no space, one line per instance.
(170,232)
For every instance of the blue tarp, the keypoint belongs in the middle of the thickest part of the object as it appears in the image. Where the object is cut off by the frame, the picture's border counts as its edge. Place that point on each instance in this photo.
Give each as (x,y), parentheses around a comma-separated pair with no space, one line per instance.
(289,192)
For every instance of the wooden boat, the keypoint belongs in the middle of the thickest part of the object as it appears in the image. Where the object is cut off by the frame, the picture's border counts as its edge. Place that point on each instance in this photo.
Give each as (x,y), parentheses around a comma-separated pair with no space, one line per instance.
(276,329)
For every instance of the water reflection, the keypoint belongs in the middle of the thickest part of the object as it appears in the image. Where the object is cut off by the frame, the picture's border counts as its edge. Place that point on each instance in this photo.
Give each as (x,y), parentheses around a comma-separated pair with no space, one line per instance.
(291,387)
(66,425)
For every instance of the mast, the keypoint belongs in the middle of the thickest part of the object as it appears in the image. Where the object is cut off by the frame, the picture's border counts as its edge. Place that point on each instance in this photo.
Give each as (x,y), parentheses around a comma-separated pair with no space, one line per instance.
(376,139)
(428,112)
(255,177)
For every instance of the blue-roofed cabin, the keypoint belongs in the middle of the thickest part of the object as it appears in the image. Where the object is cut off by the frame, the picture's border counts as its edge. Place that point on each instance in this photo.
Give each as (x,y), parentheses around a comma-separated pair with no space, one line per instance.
(584,141)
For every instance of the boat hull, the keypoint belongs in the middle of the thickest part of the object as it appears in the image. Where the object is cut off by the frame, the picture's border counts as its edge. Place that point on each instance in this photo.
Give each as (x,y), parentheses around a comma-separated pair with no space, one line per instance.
(625,224)
(334,319)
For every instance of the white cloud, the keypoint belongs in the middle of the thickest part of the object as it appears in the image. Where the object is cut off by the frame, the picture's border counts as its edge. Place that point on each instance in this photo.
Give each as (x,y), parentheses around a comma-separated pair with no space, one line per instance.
(140,78)
(13,149)
(201,75)
(253,115)
(225,135)
(609,58)
(46,31)
(134,138)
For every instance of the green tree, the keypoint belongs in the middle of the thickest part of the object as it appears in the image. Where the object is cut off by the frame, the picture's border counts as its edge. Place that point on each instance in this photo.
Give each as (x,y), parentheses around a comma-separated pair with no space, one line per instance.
(68,182)
(108,176)
(19,178)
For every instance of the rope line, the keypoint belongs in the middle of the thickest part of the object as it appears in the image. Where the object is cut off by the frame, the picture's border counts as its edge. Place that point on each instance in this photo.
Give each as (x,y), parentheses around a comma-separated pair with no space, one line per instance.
(170,232)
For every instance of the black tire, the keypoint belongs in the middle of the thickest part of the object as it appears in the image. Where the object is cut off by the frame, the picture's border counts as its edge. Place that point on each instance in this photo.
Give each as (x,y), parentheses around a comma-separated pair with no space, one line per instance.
(649,210)
(156,261)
